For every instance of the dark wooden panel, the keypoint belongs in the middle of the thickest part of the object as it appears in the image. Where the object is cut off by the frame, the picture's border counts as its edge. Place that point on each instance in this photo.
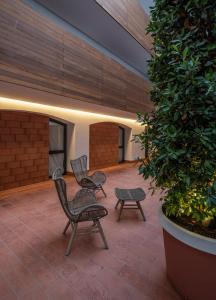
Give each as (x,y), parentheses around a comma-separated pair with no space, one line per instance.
(36,53)
(113,84)
(118,9)
(131,16)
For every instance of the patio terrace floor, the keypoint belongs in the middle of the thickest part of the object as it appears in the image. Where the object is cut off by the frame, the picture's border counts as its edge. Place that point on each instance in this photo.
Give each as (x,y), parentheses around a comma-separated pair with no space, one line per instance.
(32,261)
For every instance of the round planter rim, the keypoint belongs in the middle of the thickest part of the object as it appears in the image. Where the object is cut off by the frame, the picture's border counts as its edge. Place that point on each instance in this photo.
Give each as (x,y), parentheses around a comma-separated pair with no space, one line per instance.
(190,238)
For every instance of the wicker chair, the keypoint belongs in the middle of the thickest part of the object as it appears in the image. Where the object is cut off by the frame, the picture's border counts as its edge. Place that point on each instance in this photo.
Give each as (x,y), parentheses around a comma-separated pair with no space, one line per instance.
(93,182)
(83,207)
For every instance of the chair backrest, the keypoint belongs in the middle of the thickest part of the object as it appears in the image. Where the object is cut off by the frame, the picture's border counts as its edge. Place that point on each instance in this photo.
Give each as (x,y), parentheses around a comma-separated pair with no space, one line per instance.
(84,196)
(61,189)
(57,173)
(79,167)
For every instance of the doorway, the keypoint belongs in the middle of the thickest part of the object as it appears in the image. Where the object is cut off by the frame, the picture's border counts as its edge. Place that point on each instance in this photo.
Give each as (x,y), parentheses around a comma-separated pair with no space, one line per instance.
(121,146)
(57,146)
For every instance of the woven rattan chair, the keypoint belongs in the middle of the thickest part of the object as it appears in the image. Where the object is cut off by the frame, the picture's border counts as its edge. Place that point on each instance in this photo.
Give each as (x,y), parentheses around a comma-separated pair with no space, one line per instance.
(83,207)
(93,182)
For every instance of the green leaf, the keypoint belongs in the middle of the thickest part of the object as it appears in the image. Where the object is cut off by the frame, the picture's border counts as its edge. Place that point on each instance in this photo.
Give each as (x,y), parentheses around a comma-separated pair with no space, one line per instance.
(185,52)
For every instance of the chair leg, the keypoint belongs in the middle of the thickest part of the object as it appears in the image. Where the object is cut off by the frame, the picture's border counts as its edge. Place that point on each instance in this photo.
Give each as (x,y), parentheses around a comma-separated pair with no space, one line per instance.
(121,208)
(102,234)
(66,227)
(117,204)
(141,210)
(103,191)
(72,237)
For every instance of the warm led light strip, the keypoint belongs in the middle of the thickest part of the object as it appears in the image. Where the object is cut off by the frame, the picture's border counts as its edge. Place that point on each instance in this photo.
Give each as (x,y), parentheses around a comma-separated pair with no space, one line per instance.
(8,103)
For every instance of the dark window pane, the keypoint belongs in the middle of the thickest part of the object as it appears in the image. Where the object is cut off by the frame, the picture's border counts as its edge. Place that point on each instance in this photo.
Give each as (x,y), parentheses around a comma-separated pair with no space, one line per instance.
(121,154)
(55,161)
(56,136)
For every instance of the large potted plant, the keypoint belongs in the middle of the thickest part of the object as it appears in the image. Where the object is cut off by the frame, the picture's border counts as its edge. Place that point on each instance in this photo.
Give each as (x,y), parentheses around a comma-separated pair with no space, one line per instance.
(181,138)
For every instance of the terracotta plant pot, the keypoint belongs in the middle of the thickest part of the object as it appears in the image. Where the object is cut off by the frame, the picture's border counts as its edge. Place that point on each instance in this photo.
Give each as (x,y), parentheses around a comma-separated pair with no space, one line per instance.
(190,260)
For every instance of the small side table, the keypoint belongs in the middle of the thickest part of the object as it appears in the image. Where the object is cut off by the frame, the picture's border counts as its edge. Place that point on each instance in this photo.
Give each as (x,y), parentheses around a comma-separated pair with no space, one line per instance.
(130,195)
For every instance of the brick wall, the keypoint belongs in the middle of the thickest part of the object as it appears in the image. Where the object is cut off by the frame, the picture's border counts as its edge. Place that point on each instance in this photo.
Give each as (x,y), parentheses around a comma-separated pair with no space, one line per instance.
(24,146)
(103,145)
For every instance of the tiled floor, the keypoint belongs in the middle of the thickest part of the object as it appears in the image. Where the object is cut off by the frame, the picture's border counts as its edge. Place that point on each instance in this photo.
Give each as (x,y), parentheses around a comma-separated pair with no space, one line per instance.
(32,261)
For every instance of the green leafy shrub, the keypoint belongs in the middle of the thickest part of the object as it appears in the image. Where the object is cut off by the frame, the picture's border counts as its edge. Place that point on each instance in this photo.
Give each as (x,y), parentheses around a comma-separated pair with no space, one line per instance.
(181,131)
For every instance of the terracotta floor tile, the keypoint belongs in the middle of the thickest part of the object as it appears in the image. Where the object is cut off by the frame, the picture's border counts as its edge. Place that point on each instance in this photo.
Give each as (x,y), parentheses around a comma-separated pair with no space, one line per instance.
(32,246)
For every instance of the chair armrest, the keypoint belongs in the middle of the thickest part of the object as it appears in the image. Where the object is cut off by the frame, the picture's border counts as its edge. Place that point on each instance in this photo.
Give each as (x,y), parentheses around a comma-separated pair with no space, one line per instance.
(96,173)
(87,182)
(91,209)
(94,205)
(98,176)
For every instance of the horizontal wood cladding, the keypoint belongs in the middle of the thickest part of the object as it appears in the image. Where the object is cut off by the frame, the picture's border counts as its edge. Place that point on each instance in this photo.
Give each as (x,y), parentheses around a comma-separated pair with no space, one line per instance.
(131,16)
(37,53)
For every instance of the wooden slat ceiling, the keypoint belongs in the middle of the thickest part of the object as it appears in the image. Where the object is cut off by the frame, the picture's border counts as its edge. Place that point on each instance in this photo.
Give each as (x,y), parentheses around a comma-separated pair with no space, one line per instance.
(117,25)
(37,53)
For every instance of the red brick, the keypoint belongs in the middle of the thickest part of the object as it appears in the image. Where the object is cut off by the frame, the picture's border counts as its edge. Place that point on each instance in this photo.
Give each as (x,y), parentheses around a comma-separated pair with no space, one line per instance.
(7,138)
(34,156)
(5,151)
(44,137)
(13,165)
(35,174)
(44,172)
(27,163)
(11,145)
(43,150)
(21,144)
(31,150)
(17,150)
(26,144)
(39,125)
(39,144)
(23,117)
(17,171)
(17,131)
(21,138)
(44,155)
(23,176)
(4,172)
(4,130)
(43,167)
(40,162)
(10,185)
(26,125)
(32,169)
(34,137)
(38,179)
(2,145)
(13,124)
(21,157)
(30,131)
(9,116)
(2,166)
(25,182)
(103,144)
(39,118)
(7,179)
(6,158)
(2,123)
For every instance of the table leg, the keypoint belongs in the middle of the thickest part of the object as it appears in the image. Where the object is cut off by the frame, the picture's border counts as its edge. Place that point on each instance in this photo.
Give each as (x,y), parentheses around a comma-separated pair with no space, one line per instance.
(117,204)
(141,210)
(121,208)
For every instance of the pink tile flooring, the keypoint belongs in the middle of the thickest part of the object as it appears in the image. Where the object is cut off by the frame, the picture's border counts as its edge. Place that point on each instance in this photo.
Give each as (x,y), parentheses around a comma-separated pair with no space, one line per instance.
(32,261)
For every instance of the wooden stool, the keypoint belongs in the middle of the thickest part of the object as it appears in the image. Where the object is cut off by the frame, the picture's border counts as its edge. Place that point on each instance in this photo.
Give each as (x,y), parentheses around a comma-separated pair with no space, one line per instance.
(130,195)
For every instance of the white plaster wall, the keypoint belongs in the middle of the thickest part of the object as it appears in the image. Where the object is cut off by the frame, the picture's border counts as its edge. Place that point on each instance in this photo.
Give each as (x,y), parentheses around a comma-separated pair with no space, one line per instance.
(78,126)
